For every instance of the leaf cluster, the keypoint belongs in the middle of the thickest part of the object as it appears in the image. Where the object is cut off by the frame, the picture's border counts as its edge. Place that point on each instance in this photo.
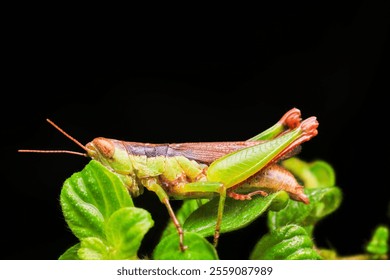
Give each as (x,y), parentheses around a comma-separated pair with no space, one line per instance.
(101,214)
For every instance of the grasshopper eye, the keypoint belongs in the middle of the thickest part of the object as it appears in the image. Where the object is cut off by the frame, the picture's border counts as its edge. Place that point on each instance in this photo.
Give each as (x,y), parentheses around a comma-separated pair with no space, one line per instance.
(104,146)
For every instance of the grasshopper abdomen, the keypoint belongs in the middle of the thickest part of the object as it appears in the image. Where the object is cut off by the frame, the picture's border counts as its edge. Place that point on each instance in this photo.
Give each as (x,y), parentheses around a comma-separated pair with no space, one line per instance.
(272,178)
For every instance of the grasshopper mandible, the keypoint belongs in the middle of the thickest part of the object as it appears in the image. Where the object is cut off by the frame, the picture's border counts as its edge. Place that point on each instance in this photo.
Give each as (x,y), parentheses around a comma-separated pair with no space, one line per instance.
(238,169)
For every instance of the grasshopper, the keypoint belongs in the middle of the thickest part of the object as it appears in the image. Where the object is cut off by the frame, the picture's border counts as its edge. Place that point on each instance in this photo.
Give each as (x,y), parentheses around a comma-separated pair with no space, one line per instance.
(238,169)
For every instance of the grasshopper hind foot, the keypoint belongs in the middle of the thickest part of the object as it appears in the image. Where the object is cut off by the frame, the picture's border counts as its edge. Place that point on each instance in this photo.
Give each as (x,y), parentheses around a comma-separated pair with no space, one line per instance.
(248,196)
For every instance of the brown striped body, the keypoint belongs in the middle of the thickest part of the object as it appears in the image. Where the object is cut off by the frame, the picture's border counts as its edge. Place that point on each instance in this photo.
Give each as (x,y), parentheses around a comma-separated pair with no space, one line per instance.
(202,152)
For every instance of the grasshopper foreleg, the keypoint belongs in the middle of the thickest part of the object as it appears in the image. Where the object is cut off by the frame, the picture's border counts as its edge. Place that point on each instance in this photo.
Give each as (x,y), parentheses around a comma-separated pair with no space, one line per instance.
(152,185)
(175,221)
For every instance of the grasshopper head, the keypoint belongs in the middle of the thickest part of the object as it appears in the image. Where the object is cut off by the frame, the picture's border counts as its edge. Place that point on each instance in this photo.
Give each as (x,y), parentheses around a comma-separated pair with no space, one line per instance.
(111,154)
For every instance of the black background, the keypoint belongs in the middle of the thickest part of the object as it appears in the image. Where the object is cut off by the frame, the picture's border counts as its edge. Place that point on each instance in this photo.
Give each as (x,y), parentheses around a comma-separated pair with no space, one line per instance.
(202,76)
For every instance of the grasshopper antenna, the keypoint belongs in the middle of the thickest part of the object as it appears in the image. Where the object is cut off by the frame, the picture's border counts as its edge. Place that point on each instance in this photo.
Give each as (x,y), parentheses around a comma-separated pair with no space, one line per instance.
(59,151)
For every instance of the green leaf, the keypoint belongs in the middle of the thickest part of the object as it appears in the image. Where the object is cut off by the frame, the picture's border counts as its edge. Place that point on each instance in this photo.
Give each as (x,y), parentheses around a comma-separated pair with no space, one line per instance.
(280,201)
(316,174)
(71,253)
(125,230)
(286,243)
(323,201)
(89,197)
(93,248)
(378,244)
(198,248)
(237,214)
